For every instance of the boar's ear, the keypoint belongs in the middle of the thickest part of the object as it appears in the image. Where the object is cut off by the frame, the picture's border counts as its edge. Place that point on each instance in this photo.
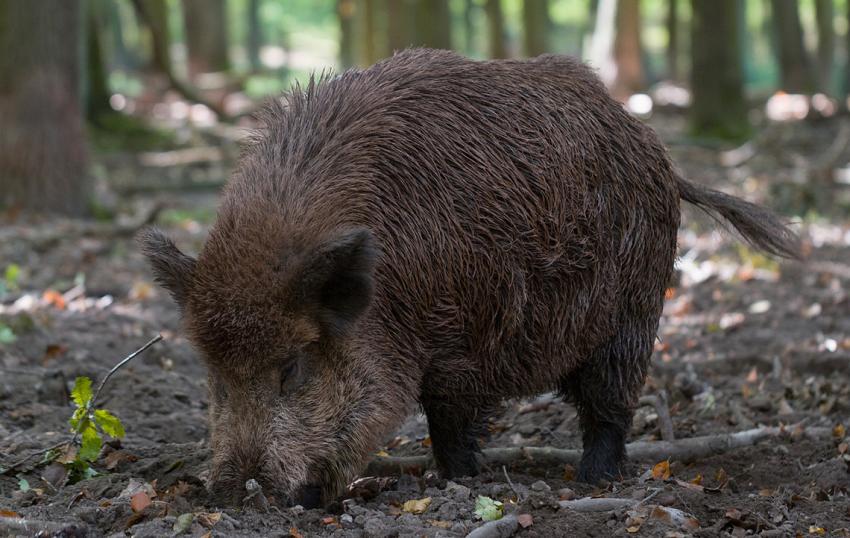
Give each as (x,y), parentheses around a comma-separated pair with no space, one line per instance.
(171,268)
(336,282)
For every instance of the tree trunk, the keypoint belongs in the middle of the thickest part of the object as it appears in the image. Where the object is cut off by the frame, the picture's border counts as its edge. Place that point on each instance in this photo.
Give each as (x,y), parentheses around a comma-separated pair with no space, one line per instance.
(718,108)
(535,18)
(368,43)
(156,18)
(672,24)
(97,89)
(433,24)
(627,50)
(794,65)
(206,36)
(469,26)
(345,11)
(43,153)
(255,35)
(399,25)
(825,14)
(495,29)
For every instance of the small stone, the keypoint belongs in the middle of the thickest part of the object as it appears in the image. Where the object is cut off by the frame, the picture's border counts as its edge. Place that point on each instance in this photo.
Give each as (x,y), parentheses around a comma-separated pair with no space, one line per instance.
(458,492)
(448,511)
(347,521)
(374,528)
(566,494)
(540,486)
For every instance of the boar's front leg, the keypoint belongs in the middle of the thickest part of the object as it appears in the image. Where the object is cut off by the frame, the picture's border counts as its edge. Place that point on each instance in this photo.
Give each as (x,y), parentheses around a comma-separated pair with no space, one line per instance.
(605,390)
(454,429)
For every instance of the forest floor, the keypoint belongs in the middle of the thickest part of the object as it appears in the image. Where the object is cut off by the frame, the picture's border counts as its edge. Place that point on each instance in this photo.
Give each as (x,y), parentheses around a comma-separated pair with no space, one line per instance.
(744,342)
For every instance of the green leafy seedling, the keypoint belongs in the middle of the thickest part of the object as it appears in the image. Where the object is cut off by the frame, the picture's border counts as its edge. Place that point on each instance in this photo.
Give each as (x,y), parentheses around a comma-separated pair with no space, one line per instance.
(90,424)
(488,509)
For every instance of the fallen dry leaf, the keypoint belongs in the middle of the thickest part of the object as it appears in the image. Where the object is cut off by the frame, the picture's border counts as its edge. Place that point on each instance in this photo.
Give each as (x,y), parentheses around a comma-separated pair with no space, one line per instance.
(661,470)
(140,501)
(9,513)
(839,431)
(293,532)
(54,298)
(416,506)
(426,442)
(114,458)
(330,520)
(440,523)
(208,519)
(525,520)
(569,473)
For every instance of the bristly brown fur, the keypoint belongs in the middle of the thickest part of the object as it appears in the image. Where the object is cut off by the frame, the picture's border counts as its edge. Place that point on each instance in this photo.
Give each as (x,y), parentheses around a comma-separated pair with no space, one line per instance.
(439,232)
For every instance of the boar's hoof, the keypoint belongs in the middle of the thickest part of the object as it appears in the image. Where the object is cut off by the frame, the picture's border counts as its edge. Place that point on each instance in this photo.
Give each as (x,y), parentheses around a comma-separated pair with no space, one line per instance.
(309,496)
(594,469)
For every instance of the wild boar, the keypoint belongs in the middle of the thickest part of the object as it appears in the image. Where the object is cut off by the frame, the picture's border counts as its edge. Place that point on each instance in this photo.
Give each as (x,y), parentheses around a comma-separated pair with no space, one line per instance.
(436,232)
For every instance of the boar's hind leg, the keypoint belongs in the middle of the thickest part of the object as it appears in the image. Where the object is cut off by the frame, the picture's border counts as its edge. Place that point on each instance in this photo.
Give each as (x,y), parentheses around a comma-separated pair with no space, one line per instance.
(604,390)
(454,431)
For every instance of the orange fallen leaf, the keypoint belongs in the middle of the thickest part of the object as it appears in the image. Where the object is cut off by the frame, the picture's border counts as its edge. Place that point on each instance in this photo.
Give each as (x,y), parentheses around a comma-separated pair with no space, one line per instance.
(697,480)
(54,298)
(9,513)
(427,441)
(293,532)
(661,470)
(140,501)
(669,293)
(839,431)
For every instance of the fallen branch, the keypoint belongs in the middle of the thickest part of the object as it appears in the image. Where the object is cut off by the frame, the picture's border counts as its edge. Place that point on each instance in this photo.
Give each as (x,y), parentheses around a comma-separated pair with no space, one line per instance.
(684,450)
(598,504)
(501,528)
(18,526)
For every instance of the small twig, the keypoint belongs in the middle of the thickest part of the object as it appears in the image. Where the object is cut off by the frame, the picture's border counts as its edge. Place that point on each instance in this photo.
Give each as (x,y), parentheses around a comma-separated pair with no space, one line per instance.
(598,504)
(118,366)
(511,484)
(655,492)
(31,455)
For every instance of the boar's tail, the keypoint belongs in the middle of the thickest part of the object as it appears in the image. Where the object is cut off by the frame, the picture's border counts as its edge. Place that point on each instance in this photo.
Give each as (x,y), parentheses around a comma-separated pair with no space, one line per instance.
(760,227)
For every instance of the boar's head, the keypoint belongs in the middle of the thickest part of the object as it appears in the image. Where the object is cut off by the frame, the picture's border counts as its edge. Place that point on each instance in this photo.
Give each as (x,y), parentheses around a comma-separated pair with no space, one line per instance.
(294,393)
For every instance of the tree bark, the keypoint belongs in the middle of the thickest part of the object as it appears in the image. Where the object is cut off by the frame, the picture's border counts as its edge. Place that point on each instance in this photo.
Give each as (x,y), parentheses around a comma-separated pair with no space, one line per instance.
(255,35)
(672,24)
(205,22)
(495,29)
(367,44)
(433,24)
(345,11)
(97,89)
(794,64)
(718,108)
(825,13)
(399,25)
(43,156)
(627,50)
(535,16)
(156,18)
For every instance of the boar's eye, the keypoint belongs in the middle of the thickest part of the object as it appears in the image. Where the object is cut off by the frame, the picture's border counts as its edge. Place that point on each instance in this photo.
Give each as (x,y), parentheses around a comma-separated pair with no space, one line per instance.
(289,376)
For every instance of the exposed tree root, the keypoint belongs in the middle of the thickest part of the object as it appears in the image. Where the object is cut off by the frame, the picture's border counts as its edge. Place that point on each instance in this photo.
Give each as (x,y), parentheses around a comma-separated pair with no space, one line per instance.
(684,450)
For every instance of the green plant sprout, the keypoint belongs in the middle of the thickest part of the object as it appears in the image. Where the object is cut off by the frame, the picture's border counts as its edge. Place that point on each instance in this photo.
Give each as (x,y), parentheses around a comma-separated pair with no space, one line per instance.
(89,423)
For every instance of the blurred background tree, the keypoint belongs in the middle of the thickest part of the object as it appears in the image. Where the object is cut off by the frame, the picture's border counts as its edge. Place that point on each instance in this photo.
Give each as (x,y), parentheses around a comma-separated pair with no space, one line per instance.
(119,67)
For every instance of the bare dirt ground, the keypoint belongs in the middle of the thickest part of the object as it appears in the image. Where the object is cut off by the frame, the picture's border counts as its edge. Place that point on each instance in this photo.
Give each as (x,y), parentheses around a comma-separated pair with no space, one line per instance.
(744,342)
